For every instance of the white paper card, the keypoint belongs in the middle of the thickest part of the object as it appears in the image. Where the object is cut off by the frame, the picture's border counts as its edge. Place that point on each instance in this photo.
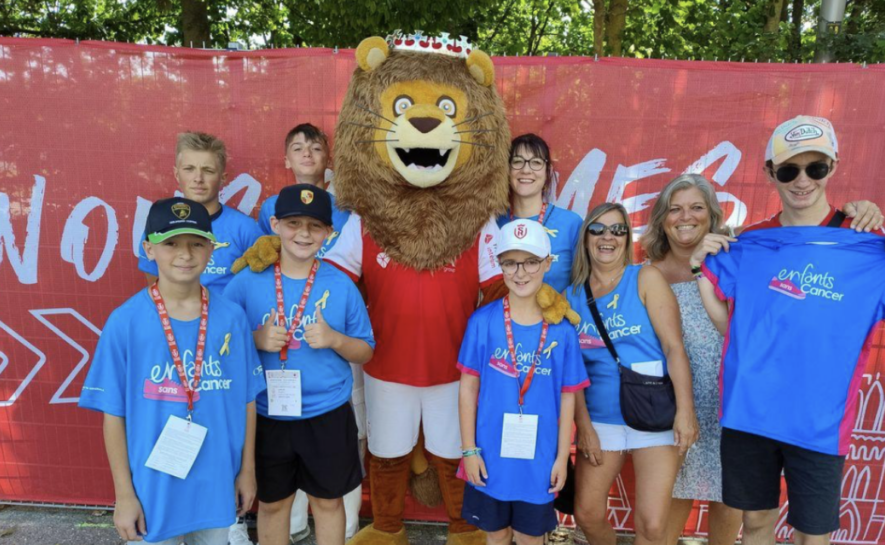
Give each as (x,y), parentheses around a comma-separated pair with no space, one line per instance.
(284,393)
(650,368)
(519,436)
(177,448)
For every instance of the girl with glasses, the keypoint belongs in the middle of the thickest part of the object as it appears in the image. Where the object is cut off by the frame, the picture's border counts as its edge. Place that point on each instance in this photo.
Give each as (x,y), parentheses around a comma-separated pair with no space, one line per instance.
(532,186)
(641,317)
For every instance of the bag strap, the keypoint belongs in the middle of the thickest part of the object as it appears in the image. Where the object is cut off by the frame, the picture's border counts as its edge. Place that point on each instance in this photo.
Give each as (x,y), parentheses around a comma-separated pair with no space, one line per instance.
(837,219)
(600,325)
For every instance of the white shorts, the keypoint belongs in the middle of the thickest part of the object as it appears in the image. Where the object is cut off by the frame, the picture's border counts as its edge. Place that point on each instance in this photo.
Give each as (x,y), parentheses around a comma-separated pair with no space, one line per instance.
(395,411)
(620,438)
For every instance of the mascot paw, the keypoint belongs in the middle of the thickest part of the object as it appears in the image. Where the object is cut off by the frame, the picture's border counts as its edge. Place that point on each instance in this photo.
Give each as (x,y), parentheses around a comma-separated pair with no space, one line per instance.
(370,536)
(555,306)
(264,253)
(476,537)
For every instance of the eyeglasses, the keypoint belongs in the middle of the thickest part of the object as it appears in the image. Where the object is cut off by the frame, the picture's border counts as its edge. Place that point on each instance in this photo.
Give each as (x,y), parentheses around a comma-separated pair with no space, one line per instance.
(815,171)
(530,266)
(616,229)
(535,163)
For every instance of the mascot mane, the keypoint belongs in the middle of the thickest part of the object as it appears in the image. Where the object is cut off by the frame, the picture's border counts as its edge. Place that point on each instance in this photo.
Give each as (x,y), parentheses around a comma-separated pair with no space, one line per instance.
(421,151)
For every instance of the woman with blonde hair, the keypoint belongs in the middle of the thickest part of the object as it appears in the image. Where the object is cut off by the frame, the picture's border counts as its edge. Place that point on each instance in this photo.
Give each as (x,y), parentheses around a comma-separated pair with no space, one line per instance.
(684,213)
(637,311)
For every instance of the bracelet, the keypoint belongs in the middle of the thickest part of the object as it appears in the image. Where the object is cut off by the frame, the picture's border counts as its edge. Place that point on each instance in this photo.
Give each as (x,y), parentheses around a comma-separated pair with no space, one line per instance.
(470,452)
(696,271)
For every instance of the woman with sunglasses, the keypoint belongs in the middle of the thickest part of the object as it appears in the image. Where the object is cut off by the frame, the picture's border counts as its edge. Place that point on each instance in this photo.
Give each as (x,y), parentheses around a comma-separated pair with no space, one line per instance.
(641,317)
(531,188)
(685,212)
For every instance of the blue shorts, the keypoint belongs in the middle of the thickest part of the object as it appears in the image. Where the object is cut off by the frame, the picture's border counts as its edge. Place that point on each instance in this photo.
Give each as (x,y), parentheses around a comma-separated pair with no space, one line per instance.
(491,515)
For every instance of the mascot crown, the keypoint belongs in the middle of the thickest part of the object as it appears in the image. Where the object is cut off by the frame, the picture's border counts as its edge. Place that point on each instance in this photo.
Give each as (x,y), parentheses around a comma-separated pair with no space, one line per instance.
(418,42)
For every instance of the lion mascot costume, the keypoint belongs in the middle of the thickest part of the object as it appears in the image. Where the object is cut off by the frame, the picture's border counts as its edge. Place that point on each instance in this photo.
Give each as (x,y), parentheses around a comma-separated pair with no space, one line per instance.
(421,153)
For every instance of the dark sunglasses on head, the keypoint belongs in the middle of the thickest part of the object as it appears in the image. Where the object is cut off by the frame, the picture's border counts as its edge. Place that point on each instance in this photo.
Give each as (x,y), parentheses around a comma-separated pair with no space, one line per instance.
(617,229)
(815,171)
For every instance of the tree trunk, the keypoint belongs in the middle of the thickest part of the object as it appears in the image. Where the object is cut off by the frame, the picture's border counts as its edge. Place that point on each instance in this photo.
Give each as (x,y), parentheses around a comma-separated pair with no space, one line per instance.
(617,18)
(773,16)
(599,27)
(796,37)
(195,23)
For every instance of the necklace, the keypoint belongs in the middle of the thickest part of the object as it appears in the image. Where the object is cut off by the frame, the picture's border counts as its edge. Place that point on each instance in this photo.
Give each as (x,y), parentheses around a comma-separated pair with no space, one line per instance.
(612,280)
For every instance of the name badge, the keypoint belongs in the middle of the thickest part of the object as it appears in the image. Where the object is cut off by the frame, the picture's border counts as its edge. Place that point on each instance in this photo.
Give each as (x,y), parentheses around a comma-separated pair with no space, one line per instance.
(284,392)
(176,450)
(519,436)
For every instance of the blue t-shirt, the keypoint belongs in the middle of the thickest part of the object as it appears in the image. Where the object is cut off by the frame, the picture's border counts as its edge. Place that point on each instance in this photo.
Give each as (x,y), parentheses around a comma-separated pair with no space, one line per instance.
(484,353)
(339,218)
(234,232)
(563,227)
(805,301)
(632,334)
(132,376)
(326,377)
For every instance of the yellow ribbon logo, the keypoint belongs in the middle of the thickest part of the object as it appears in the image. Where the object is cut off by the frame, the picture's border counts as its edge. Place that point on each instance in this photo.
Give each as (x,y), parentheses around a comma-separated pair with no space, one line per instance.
(322,302)
(550,348)
(225,348)
(614,303)
(331,237)
(552,232)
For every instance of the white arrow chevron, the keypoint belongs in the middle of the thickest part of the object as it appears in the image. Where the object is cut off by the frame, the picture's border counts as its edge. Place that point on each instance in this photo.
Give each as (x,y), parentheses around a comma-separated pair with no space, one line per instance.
(41,314)
(41,359)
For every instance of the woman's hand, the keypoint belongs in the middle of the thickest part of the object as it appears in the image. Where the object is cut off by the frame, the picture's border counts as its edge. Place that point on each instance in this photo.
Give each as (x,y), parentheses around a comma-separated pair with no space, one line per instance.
(712,244)
(866,216)
(589,446)
(475,468)
(685,430)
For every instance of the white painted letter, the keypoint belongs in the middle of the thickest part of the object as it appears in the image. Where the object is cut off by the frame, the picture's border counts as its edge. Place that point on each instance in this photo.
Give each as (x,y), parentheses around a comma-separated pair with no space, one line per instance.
(75,235)
(24,264)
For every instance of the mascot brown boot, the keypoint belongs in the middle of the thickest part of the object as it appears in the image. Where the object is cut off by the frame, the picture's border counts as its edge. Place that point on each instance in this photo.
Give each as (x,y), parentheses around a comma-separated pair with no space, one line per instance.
(452,488)
(388,480)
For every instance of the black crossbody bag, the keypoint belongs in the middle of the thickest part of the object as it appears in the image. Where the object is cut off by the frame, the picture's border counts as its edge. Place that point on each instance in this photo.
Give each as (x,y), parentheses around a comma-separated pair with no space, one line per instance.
(648,403)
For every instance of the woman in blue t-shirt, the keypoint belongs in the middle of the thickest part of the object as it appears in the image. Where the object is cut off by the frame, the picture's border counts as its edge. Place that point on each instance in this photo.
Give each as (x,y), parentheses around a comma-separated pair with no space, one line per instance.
(532,186)
(641,317)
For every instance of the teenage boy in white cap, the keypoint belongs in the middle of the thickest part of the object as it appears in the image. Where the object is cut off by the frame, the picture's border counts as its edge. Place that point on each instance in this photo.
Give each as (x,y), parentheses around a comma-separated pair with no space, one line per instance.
(797,302)
(516,398)
(176,375)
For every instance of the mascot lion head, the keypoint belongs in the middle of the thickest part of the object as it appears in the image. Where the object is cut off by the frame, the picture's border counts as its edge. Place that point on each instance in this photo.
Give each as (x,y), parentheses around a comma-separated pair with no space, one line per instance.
(421,151)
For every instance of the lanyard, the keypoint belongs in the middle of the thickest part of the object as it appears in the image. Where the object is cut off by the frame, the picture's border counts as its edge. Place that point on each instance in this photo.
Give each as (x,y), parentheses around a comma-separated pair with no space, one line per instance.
(281,310)
(540,216)
(189,388)
(508,328)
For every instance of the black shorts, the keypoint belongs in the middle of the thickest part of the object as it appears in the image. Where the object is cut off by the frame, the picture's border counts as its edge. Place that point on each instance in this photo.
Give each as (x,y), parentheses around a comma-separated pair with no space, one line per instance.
(751,480)
(318,455)
(491,515)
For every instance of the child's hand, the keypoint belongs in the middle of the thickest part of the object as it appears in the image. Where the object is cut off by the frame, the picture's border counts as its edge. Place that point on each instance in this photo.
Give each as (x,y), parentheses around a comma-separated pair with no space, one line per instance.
(320,334)
(476,470)
(271,337)
(129,519)
(557,476)
(246,487)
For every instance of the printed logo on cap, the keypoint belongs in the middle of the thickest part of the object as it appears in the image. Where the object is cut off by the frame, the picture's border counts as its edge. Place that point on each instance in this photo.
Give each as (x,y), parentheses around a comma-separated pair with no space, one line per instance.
(804,132)
(521,231)
(181,210)
(306,196)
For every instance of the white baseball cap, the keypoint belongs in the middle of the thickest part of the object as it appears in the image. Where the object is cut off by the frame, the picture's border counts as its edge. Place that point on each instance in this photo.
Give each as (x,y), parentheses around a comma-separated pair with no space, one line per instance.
(526,235)
(801,134)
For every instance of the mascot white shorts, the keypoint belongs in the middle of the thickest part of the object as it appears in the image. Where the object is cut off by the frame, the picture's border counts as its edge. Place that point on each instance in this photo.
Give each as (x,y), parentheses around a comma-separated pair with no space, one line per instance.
(395,412)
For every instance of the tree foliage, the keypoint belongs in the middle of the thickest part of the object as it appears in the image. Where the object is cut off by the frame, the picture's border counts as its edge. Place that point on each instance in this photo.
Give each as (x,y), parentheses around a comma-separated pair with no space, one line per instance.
(776,30)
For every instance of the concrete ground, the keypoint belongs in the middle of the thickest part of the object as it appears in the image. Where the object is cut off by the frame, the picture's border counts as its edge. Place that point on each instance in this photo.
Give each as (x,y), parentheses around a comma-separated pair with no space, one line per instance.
(21,525)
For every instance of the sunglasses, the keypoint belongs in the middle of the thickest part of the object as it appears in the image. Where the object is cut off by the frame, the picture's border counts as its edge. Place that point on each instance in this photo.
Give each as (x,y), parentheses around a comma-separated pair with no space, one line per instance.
(617,229)
(815,171)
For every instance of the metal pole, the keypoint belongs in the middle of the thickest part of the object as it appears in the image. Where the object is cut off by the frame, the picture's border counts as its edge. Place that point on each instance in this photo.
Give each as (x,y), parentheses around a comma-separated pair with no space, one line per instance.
(830,24)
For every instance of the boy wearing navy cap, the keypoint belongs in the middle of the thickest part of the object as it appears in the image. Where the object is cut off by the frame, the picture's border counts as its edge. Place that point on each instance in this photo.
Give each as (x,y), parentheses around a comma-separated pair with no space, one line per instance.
(309,321)
(176,375)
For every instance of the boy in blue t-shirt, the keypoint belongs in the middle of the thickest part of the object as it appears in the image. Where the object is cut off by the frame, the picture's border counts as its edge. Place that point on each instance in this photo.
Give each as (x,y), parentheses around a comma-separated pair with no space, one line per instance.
(309,321)
(176,375)
(200,160)
(516,399)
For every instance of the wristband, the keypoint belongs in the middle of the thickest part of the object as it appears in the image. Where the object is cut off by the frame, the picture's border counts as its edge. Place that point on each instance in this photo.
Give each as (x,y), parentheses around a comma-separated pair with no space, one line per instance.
(696,271)
(470,452)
